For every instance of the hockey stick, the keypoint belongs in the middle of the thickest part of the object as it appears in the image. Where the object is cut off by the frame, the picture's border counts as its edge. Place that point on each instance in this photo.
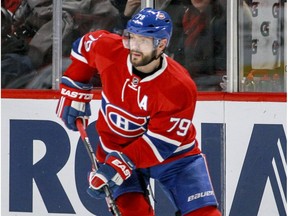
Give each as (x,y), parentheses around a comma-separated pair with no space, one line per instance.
(113,208)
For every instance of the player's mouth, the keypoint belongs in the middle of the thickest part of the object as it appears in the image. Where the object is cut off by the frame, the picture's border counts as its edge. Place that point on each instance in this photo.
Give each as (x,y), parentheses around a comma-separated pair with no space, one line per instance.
(136,54)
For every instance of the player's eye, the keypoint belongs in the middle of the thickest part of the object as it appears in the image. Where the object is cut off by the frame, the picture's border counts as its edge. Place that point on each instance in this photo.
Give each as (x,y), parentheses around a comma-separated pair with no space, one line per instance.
(140,41)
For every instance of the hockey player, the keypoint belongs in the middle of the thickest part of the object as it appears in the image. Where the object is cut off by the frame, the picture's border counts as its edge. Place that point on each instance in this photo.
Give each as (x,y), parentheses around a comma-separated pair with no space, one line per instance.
(145,121)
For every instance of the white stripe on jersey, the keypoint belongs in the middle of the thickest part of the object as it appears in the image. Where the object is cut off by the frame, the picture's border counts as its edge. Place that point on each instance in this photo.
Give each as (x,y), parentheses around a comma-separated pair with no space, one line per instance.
(154,149)
(77,54)
(186,146)
(79,57)
(80,45)
(163,138)
(107,150)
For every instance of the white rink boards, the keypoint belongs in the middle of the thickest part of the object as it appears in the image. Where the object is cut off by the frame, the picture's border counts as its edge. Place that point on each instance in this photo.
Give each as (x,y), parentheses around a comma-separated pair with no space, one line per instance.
(48,161)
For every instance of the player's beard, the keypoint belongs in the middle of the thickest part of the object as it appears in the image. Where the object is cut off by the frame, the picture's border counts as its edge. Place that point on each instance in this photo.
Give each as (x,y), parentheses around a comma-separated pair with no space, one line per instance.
(142,60)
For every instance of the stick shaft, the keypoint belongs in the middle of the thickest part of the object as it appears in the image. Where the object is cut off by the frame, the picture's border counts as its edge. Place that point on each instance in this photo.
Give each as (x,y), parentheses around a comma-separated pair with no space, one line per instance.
(109,198)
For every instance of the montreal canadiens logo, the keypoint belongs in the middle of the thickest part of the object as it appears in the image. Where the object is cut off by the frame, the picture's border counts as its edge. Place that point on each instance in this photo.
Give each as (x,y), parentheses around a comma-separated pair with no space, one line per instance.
(124,123)
(161,16)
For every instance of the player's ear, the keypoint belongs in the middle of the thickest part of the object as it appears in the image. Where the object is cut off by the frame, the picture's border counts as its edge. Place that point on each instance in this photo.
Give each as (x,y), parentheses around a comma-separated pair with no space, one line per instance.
(163,43)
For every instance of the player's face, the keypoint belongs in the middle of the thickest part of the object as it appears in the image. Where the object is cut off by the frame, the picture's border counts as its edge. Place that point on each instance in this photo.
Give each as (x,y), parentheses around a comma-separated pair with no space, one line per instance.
(141,50)
(200,4)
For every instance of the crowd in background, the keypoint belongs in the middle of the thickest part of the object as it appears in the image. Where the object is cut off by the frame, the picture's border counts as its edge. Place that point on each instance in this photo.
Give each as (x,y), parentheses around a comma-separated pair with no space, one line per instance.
(198,40)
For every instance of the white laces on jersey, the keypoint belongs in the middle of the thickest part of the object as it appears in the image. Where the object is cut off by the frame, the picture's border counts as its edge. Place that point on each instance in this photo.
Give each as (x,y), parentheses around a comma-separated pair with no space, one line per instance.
(123,89)
(134,87)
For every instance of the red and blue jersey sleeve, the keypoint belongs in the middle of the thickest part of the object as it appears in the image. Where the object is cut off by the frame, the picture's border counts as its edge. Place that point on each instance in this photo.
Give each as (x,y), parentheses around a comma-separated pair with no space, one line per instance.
(91,54)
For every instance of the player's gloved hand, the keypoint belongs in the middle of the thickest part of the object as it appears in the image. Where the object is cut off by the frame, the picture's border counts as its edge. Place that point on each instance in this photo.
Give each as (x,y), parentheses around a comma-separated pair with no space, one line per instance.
(117,168)
(98,194)
(74,102)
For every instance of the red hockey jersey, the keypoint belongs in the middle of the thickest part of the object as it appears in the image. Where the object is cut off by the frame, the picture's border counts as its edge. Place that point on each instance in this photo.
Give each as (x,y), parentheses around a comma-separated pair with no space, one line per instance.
(149,119)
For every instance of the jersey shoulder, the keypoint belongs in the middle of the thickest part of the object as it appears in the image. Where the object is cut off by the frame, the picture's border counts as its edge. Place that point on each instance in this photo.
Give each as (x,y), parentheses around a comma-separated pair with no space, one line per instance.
(101,45)
(178,91)
(179,79)
(101,42)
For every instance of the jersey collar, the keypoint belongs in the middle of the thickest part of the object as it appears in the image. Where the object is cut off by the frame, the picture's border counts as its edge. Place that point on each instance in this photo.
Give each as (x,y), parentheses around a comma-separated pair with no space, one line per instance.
(154,75)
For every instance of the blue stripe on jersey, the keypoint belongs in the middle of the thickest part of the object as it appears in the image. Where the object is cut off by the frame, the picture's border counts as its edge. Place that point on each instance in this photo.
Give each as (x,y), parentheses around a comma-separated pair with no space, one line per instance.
(104,102)
(76,50)
(164,147)
(161,146)
(184,148)
(71,83)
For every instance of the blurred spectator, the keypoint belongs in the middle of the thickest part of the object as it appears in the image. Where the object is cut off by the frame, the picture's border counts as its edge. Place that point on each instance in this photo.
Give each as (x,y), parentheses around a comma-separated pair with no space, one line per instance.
(14,60)
(126,10)
(10,5)
(202,49)
(32,22)
(131,7)
(177,9)
(198,41)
